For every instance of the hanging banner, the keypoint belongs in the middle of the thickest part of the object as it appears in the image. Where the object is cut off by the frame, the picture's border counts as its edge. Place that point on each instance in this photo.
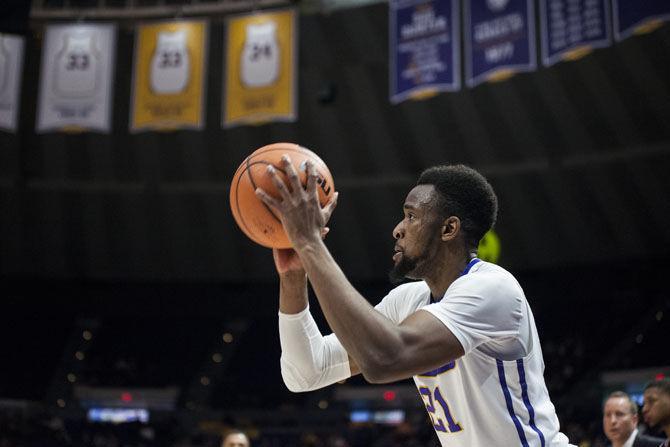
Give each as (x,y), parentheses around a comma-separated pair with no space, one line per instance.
(169,76)
(499,39)
(423,48)
(639,17)
(260,71)
(573,28)
(76,78)
(11,65)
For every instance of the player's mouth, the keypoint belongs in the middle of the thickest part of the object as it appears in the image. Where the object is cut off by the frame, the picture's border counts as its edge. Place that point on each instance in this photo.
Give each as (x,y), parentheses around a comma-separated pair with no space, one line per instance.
(398,254)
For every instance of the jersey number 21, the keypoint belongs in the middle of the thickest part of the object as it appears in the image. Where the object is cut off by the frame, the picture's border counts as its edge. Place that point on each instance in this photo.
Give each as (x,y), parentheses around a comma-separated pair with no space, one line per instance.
(431,398)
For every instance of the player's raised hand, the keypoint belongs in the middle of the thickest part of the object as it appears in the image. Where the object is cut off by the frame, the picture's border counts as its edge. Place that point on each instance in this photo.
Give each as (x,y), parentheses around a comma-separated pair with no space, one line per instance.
(287,260)
(299,209)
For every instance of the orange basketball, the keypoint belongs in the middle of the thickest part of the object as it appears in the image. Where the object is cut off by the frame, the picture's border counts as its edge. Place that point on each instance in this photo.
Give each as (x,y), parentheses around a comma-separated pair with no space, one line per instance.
(258,221)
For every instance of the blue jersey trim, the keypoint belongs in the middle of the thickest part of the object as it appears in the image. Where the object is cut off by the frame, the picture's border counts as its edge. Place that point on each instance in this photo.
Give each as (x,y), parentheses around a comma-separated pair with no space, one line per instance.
(470,265)
(508,401)
(440,370)
(526,401)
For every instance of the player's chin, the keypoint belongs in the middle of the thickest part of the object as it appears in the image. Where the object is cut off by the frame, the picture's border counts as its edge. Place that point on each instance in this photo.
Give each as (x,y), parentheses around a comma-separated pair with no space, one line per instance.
(401,270)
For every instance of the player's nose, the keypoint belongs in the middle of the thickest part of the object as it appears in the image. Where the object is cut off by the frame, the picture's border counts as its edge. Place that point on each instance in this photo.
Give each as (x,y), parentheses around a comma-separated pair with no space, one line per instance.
(397,231)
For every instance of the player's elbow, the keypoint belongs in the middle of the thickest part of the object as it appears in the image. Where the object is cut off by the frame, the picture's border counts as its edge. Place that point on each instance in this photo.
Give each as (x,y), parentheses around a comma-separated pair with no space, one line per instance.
(293,380)
(294,387)
(378,377)
(380,370)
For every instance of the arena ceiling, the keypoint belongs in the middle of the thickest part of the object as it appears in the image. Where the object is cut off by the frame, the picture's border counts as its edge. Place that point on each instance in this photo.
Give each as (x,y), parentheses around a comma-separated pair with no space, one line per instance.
(579,154)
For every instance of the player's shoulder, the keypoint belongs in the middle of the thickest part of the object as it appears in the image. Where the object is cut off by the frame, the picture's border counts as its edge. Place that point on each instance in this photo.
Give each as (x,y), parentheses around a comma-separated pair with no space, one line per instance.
(404,299)
(488,268)
(491,277)
(410,289)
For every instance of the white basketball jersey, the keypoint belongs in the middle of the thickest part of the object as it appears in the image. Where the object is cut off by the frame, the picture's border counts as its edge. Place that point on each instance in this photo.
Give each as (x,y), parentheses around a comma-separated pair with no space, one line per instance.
(494,395)
(170,63)
(77,67)
(4,66)
(260,58)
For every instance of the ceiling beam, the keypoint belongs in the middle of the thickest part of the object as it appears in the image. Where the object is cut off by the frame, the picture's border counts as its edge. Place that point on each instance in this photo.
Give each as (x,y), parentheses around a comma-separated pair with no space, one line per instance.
(130,11)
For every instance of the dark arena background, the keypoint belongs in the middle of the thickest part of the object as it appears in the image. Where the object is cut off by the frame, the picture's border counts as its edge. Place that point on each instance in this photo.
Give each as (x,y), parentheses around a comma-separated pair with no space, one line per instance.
(134,312)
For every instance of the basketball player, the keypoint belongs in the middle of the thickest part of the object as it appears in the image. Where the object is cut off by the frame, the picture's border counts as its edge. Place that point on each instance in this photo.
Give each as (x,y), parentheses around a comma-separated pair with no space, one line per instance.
(464,330)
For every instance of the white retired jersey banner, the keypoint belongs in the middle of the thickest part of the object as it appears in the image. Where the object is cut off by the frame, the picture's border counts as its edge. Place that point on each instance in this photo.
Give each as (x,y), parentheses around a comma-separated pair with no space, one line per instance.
(639,17)
(573,28)
(424,48)
(261,68)
(76,77)
(499,39)
(11,63)
(168,76)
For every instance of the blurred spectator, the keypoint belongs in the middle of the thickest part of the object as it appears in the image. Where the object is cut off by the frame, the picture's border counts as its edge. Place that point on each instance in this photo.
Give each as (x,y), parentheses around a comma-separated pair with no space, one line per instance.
(656,408)
(235,438)
(620,422)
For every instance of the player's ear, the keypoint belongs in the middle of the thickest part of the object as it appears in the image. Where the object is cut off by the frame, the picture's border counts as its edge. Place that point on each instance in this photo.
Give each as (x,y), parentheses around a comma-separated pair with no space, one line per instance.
(451,226)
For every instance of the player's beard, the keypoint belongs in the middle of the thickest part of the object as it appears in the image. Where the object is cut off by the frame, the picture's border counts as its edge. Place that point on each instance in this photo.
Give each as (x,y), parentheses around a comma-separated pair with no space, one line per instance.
(400,271)
(413,267)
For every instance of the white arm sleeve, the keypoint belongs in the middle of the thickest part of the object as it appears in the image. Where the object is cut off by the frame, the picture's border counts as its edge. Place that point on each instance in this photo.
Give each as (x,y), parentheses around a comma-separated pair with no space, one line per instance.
(309,360)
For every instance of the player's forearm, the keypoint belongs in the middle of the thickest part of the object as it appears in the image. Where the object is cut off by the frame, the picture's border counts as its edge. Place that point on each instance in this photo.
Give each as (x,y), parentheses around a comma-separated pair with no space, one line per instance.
(292,292)
(309,360)
(370,338)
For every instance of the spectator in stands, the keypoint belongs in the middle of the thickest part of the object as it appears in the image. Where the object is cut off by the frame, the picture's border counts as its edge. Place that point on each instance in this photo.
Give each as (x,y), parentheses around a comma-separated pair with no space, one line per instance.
(656,410)
(620,423)
(235,438)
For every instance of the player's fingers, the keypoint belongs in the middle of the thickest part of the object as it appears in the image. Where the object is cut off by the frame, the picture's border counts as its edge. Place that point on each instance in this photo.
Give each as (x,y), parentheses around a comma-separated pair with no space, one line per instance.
(312,177)
(278,182)
(267,199)
(324,232)
(291,173)
(330,206)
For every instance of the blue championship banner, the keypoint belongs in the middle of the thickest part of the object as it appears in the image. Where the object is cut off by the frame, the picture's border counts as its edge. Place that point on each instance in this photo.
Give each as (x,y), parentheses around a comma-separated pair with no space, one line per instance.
(573,28)
(424,48)
(639,17)
(499,39)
